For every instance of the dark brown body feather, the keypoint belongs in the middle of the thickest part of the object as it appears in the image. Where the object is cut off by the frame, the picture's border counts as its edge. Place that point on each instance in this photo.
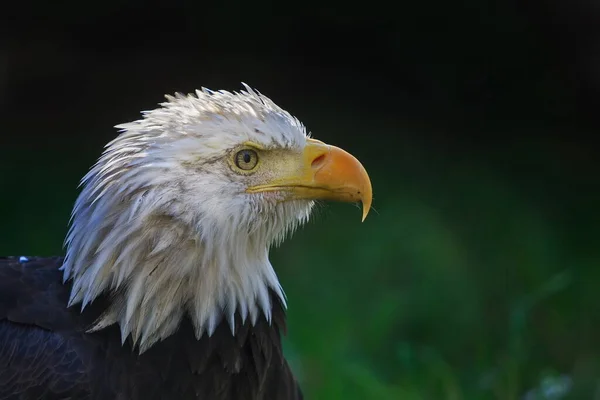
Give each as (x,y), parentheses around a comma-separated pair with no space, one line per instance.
(46,354)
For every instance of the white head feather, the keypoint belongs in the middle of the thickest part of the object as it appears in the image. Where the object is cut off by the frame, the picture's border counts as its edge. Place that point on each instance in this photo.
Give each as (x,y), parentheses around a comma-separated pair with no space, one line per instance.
(165,224)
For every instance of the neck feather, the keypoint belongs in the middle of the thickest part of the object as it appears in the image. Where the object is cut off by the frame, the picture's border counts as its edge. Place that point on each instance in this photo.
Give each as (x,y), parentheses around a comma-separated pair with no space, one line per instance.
(157,271)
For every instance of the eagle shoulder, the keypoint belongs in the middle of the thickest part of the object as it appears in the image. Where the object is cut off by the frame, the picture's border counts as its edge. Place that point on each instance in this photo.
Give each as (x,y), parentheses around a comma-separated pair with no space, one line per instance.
(39,353)
(45,352)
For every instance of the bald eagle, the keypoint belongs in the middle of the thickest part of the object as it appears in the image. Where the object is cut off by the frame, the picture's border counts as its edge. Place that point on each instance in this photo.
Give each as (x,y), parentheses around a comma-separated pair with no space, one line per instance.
(166,290)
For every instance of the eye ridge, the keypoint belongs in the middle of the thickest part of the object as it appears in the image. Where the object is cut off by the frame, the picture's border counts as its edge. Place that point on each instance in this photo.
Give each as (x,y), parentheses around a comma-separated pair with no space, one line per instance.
(246,159)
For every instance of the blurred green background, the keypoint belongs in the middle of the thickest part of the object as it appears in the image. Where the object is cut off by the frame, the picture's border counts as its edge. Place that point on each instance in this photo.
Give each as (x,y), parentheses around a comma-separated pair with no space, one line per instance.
(476,274)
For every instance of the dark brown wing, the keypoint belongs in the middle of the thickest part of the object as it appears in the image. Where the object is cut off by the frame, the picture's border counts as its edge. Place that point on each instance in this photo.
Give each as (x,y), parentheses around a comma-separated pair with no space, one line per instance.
(45,354)
(39,352)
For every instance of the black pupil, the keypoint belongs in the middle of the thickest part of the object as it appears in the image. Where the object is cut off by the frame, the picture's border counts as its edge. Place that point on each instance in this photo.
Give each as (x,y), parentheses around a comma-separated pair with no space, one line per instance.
(247,157)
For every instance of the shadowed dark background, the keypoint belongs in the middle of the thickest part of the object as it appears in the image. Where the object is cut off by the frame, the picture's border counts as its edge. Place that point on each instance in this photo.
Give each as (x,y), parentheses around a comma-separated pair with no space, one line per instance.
(477,274)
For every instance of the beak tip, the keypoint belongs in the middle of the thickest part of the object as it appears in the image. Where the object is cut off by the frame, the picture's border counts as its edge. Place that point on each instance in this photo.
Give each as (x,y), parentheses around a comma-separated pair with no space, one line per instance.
(366,208)
(366,196)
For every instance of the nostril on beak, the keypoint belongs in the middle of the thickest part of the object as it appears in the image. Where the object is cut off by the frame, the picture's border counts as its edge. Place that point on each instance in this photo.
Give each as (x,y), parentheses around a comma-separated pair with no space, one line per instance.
(317,162)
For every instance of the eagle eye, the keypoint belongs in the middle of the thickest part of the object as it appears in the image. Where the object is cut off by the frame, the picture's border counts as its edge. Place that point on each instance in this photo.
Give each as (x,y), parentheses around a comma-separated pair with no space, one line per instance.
(246,159)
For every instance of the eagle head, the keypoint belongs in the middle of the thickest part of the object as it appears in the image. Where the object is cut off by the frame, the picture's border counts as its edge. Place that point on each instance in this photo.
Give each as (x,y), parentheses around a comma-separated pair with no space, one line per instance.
(177,216)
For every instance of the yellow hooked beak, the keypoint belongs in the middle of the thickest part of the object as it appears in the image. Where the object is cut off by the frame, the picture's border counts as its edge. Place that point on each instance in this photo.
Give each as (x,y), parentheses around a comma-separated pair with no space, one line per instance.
(323,172)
